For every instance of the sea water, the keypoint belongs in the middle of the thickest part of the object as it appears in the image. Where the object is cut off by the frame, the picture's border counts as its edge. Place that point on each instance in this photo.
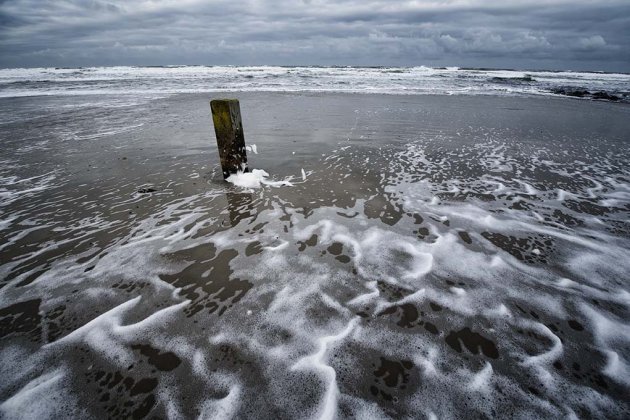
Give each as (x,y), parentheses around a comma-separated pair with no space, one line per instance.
(391,255)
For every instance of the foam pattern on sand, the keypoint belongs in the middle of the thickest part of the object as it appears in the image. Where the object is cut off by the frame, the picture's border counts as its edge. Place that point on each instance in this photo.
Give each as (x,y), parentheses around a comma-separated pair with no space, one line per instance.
(439,277)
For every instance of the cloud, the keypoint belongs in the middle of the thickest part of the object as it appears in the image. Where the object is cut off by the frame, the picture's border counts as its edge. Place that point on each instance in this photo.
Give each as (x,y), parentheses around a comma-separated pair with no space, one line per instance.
(527,34)
(592,42)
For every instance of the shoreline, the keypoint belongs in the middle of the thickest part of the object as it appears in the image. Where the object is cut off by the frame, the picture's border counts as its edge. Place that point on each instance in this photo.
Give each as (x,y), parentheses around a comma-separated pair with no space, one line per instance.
(583,97)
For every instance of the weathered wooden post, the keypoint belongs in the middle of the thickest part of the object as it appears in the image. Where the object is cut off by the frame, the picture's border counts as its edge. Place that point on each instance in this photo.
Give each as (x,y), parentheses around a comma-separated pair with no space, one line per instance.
(226,115)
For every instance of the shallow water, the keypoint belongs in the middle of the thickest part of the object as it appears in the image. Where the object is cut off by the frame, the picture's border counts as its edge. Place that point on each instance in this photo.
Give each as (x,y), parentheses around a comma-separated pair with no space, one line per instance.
(434,256)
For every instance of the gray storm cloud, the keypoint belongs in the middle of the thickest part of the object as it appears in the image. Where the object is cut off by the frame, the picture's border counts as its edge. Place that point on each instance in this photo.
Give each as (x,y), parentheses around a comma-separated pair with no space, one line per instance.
(559,34)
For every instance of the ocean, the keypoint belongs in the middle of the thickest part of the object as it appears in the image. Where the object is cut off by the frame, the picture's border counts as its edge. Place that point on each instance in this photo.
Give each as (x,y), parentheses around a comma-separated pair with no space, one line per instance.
(426,243)
(387,80)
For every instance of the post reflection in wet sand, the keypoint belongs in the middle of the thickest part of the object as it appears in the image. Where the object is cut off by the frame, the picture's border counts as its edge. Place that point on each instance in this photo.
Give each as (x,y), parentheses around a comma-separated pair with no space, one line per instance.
(240,206)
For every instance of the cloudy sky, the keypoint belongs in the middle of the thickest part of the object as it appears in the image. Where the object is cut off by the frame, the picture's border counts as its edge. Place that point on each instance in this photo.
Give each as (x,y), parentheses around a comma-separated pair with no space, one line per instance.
(531,34)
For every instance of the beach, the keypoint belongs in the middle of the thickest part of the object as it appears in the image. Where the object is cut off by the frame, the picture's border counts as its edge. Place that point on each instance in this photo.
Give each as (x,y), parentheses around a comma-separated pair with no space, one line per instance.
(429,254)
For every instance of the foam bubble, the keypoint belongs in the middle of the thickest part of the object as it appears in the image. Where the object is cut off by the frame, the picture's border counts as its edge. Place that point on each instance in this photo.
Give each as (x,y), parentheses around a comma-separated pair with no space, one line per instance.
(255,179)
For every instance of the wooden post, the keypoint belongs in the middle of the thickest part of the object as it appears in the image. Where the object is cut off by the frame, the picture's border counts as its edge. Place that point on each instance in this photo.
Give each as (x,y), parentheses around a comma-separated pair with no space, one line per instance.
(226,115)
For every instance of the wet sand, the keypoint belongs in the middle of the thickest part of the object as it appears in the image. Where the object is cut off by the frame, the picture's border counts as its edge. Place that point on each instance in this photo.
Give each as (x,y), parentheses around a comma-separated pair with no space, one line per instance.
(443,255)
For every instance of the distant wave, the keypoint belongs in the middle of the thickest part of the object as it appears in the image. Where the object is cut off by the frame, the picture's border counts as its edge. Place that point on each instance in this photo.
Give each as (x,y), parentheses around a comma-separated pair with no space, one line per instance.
(524,79)
(167,80)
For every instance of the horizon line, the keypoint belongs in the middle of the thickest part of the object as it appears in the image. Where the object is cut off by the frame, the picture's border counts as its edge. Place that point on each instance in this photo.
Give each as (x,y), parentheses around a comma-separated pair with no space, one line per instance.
(469,68)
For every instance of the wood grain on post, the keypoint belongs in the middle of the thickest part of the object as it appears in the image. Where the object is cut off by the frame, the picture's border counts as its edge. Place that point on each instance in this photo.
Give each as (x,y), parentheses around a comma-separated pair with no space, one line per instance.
(226,115)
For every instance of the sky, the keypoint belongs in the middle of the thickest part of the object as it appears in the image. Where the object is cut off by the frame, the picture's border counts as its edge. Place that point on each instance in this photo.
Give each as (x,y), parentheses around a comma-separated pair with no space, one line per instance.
(520,34)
